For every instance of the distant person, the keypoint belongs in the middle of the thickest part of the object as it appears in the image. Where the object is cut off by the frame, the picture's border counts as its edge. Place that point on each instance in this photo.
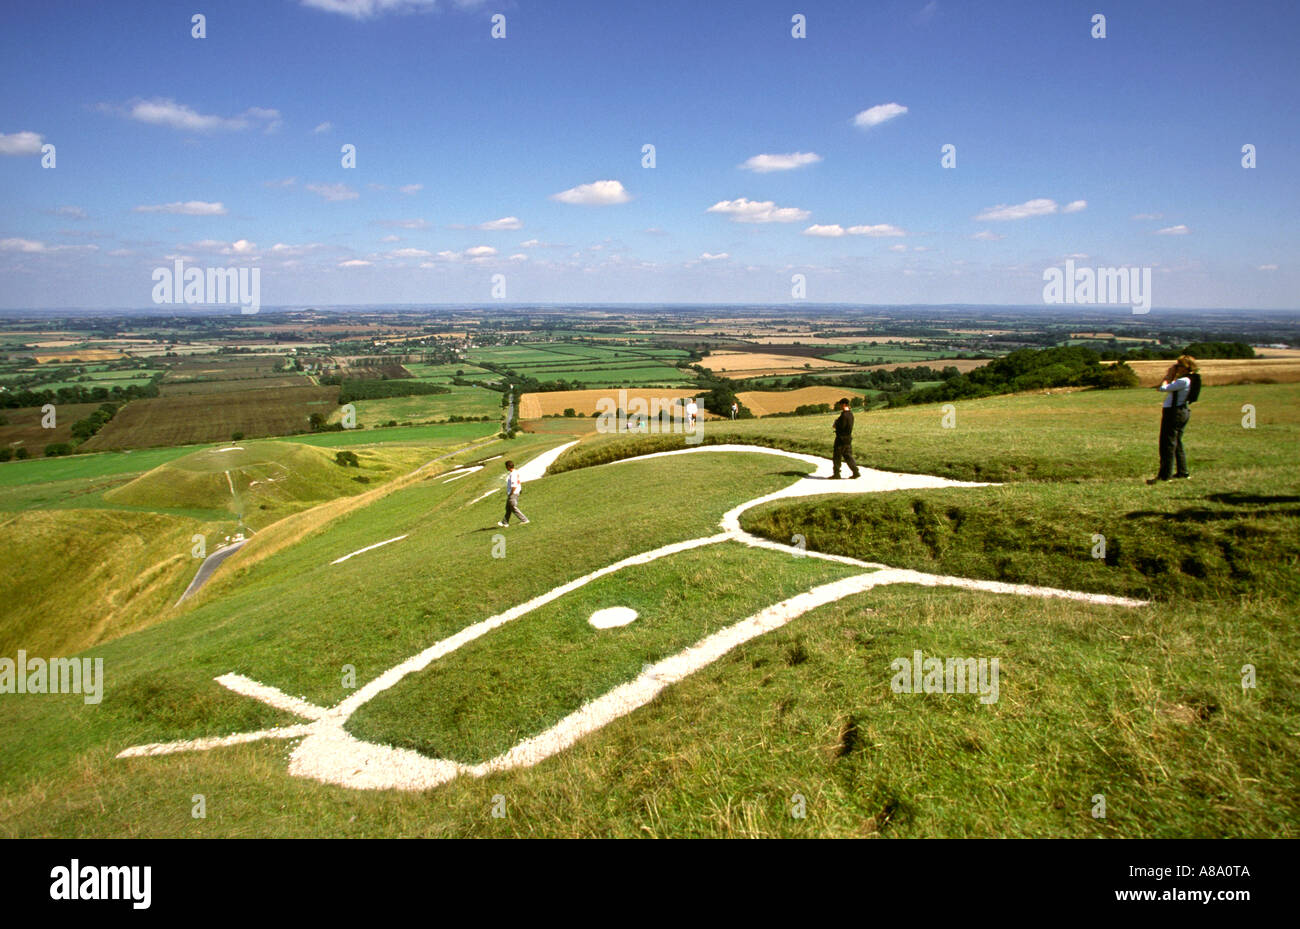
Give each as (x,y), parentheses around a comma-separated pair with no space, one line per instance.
(692,412)
(843,441)
(735,408)
(1178,391)
(513,485)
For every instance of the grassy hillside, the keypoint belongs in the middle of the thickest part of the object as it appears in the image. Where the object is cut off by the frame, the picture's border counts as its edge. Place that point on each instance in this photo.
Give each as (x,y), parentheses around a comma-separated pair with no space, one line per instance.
(1145,706)
(1052,436)
(75,578)
(261,481)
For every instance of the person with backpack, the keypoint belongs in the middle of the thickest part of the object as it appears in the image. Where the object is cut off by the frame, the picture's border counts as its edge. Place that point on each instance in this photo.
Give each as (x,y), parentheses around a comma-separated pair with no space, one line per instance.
(1181,386)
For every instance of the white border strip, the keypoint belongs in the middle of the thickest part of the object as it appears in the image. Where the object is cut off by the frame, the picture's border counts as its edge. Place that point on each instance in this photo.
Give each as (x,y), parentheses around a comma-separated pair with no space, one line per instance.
(367,548)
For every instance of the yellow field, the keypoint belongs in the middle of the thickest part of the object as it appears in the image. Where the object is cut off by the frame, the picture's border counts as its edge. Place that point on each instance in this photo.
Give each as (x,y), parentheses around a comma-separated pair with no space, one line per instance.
(755,364)
(1216,372)
(85,354)
(554,403)
(767,402)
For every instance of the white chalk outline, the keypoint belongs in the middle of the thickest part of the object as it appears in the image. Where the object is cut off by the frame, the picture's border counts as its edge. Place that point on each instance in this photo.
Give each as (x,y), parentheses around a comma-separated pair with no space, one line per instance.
(368,548)
(329,754)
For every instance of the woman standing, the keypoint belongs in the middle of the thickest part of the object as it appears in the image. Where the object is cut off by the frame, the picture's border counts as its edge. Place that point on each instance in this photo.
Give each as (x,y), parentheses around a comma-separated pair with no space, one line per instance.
(1177,387)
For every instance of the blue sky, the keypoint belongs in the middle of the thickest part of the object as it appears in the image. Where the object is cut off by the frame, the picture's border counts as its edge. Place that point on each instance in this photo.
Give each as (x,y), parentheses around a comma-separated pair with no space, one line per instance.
(478,156)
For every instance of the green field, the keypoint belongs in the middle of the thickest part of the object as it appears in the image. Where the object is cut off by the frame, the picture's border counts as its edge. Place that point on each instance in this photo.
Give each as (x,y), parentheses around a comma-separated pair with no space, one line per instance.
(887,353)
(443,373)
(593,365)
(462,401)
(1144,705)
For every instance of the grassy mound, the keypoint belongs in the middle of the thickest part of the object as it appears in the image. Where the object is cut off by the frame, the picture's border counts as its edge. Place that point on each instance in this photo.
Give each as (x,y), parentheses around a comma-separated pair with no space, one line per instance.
(1239,535)
(260,481)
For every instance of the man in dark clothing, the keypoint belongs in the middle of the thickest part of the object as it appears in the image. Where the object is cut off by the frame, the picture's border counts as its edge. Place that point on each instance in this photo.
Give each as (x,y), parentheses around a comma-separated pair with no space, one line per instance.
(843,441)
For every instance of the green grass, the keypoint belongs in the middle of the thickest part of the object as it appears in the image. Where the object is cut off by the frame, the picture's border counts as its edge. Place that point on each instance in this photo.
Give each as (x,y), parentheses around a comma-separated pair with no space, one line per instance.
(888,354)
(1221,536)
(516,682)
(1063,436)
(262,481)
(1142,705)
(462,401)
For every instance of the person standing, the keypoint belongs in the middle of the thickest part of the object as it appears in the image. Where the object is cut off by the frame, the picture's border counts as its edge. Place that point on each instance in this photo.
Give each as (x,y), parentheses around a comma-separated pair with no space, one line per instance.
(843,441)
(513,485)
(692,411)
(735,408)
(1176,386)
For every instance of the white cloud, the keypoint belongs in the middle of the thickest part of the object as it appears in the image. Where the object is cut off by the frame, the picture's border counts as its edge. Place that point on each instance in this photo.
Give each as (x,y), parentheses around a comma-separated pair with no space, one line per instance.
(243,247)
(1180,229)
(368,9)
(836,230)
(709,256)
(323,127)
(21,245)
(597,193)
(504,223)
(518,257)
(334,192)
(187,208)
(1267,268)
(410,253)
(163,111)
(280,249)
(758,211)
(285,182)
(880,231)
(477,253)
(876,115)
(411,188)
(404,223)
(1074,206)
(987,236)
(1148,215)
(391,238)
(354,263)
(31,246)
(1039,207)
(763,164)
(20,143)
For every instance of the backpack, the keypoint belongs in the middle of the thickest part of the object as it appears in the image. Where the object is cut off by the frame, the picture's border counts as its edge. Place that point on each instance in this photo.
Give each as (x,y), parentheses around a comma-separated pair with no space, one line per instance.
(1194,392)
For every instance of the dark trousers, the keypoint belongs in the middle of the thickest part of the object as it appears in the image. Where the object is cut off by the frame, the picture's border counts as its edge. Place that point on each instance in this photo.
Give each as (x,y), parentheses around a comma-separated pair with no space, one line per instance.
(843,452)
(512,506)
(1173,420)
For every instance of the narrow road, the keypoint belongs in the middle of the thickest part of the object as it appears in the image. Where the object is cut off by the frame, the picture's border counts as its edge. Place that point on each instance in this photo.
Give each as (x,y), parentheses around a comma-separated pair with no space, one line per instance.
(210,564)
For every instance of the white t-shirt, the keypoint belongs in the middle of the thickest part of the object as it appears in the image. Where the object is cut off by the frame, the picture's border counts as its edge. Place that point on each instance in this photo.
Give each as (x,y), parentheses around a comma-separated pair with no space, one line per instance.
(1176,391)
(692,409)
(513,483)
